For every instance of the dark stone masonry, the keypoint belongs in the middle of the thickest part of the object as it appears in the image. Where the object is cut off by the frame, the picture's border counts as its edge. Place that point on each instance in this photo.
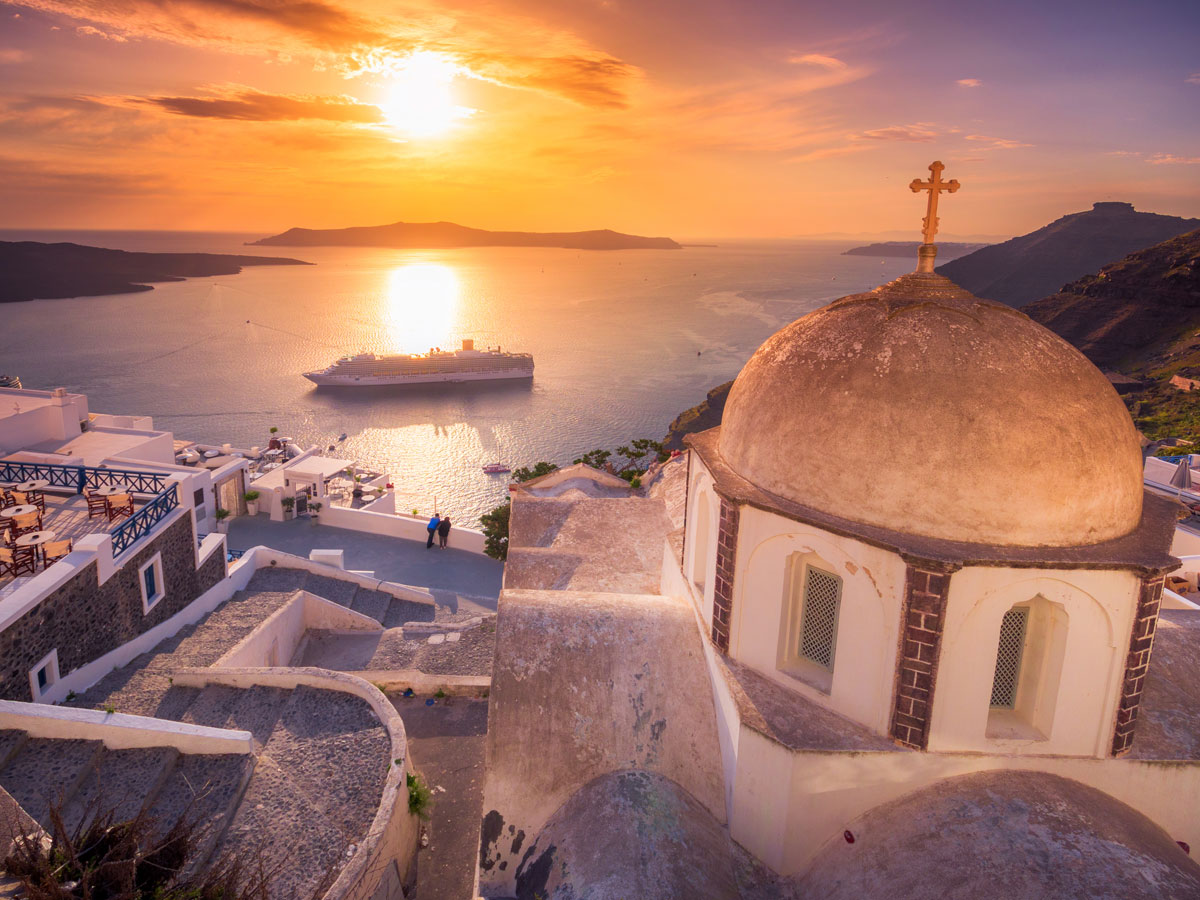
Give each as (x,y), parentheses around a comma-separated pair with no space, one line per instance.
(920,642)
(83,619)
(1137,664)
(727,532)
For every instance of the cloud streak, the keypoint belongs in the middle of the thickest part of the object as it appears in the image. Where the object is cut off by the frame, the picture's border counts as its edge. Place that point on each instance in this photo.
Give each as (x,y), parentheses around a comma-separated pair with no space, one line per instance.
(251,105)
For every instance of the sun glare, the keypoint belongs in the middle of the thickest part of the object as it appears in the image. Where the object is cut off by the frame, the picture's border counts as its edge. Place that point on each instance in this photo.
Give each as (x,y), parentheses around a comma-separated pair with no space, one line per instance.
(420,96)
(422,305)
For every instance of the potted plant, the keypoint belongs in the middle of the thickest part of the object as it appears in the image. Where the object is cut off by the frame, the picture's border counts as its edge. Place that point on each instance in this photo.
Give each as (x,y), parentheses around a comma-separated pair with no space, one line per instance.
(274,429)
(251,498)
(358,488)
(222,515)
(314,508)
(288,504)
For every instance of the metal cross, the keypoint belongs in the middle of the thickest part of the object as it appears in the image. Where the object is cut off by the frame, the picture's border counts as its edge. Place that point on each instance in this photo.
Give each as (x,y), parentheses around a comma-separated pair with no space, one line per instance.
(934,185)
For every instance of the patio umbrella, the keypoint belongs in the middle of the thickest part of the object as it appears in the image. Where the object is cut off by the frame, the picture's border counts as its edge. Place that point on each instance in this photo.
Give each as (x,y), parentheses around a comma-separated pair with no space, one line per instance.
(1182,478)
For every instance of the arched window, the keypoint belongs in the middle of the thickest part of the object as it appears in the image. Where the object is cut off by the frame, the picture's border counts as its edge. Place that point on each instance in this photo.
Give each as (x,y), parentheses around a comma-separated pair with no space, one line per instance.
(812,606)
(700,553)
(1029,656)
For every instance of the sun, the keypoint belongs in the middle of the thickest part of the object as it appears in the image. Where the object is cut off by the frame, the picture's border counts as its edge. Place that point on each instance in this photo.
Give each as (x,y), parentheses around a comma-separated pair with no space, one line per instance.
(420,97)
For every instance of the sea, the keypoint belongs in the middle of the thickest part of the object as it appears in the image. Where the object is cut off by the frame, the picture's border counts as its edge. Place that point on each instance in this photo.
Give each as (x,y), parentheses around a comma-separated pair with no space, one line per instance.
(622,342)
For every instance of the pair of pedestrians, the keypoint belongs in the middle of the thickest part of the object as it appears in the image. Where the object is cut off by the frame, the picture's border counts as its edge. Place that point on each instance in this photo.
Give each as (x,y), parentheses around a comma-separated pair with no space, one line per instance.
(439,526)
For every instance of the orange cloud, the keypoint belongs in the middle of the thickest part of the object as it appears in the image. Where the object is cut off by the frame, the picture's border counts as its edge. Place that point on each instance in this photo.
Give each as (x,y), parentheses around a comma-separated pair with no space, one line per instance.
(968,82)
(919,133)
(258,106)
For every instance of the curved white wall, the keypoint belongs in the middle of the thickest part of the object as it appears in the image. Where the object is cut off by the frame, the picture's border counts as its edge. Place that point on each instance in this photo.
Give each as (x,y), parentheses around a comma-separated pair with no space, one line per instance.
(1099,608)
(868,627)
(703,522)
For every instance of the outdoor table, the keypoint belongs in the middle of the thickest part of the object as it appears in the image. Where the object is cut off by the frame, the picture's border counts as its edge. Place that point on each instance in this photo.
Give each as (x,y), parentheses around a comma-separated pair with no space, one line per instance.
(21,510)
(36,484)
(111,490)
(209,454)
(274,453)
(35,539)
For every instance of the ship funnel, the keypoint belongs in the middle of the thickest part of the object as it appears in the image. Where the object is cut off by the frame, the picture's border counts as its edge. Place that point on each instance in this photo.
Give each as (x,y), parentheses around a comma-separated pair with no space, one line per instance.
(468,344)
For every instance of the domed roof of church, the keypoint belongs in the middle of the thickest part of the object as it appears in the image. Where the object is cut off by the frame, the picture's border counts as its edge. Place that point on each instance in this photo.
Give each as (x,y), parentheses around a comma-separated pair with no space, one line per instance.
(1000,835)
(921,408)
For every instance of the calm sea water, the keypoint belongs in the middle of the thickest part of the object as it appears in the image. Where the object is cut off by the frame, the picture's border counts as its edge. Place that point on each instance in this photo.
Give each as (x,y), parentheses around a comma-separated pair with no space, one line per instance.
(622,342)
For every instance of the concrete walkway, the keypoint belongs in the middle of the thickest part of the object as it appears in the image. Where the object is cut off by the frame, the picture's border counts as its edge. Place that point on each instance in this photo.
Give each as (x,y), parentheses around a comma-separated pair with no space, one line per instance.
(459,580)
(447,747)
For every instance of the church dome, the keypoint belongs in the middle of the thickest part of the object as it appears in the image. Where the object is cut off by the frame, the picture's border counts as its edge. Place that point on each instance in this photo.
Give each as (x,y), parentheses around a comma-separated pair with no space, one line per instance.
(923,409)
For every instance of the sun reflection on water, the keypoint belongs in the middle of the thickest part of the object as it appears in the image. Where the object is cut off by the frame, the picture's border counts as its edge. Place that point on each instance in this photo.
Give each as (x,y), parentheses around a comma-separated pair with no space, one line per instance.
(421,307)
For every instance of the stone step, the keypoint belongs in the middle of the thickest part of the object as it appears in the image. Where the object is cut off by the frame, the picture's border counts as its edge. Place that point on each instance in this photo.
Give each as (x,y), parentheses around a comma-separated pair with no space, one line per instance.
(11,742)
(336,752)
(207,789)
(255,709)
(336,590)
(276,826)
(372,603)
(401,611)
(276,578)
(122,784)
(47,771)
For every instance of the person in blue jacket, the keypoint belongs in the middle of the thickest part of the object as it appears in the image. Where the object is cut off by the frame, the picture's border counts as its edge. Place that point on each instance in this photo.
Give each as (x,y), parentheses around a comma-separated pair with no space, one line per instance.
(432,528)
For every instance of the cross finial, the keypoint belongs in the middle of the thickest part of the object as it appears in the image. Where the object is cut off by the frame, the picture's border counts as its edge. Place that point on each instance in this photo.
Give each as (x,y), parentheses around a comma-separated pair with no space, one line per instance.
(928,252)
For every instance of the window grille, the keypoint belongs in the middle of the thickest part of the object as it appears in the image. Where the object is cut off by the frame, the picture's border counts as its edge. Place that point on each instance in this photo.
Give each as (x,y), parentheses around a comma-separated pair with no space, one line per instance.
(1008,658)
(819,616)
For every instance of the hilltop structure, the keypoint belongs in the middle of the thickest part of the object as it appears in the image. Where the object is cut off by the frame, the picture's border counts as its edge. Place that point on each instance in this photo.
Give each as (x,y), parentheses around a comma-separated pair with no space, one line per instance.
(919,672)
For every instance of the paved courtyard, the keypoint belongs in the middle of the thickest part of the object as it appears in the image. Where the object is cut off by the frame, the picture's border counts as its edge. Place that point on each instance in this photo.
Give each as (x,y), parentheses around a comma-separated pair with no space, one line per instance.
(459,580)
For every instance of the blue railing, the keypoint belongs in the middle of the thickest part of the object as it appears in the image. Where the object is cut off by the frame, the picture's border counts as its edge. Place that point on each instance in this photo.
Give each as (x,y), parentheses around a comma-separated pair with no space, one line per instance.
(1174,460)
(77,478)
(141,522)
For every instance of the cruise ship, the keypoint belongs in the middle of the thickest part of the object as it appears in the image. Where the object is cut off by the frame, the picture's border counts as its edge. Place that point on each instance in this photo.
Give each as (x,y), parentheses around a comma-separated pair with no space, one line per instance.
(467,364)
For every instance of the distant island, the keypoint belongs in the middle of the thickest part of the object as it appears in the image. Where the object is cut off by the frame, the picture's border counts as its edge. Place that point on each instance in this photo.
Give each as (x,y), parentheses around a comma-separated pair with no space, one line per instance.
(946,249)
(30,270)
(445,235)
(1035,265)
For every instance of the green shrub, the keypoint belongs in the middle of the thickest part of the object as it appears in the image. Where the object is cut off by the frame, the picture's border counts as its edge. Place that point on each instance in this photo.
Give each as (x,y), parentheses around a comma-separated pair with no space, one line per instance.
(420,797)
(251,496)
(495,531)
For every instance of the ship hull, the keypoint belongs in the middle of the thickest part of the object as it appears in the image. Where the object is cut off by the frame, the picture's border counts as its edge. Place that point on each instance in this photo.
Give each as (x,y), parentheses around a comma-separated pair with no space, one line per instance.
(325,380)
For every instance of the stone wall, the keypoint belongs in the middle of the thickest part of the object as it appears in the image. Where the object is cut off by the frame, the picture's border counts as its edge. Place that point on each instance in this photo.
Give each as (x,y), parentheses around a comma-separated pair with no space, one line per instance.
(83,619)
(916,667)
(211,571)
(1137,664)
(727,534)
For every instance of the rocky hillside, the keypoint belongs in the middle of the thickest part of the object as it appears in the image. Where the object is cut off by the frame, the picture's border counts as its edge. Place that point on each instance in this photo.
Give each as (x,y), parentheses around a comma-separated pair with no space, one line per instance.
(1135,315)
(431,235)
(34,271)
(699,418)
(908,249)
(1037,264)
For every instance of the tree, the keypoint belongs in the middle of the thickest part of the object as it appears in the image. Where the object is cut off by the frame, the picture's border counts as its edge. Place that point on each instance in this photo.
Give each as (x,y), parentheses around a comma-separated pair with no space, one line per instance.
(528,474)
(495,531)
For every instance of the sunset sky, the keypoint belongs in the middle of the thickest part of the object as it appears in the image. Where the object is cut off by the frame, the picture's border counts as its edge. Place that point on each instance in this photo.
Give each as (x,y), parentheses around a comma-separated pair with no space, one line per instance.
(688,118)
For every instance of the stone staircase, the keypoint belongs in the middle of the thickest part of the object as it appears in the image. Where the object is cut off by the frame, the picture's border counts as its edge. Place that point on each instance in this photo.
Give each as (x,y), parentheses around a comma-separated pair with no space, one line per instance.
(381,606)
(300,804)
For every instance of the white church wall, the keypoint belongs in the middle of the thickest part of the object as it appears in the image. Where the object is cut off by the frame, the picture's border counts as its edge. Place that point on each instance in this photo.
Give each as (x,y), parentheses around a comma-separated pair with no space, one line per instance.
(787,806)
(700,544)
(869,618)
(1070,676)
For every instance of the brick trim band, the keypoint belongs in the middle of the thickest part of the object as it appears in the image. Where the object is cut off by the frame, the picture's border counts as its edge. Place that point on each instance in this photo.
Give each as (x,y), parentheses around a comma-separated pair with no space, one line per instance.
(1137,664)
(924,619)
(727,533)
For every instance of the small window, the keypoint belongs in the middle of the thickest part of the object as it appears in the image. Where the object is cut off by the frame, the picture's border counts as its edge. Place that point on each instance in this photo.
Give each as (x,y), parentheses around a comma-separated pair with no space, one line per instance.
(198,497)
(819,616)
(1008,658)
(44,675)
(150,578)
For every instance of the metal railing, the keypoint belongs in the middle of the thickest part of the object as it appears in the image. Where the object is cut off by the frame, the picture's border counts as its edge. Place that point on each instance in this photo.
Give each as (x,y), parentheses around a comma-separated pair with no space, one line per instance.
(78,478)
(141,522)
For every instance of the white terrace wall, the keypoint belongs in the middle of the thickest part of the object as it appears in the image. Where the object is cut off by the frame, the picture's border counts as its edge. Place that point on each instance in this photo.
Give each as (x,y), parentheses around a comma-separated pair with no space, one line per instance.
(398,526)
(769,548)
(788,805)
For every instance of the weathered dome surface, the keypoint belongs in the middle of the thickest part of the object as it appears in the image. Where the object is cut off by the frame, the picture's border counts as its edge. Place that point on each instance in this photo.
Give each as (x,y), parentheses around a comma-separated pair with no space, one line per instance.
(1003,835)
(625,835)
(921,408)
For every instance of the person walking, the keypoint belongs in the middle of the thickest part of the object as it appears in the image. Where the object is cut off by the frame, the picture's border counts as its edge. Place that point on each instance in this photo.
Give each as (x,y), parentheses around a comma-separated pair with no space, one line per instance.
(443,531)
(432,528)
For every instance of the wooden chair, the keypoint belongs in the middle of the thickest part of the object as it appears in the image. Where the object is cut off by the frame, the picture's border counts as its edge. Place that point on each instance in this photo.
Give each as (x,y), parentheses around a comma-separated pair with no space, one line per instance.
(120,505)
(15,561)
(53,551)
(32,498)
(23,524)
(7,538)
(97,505)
